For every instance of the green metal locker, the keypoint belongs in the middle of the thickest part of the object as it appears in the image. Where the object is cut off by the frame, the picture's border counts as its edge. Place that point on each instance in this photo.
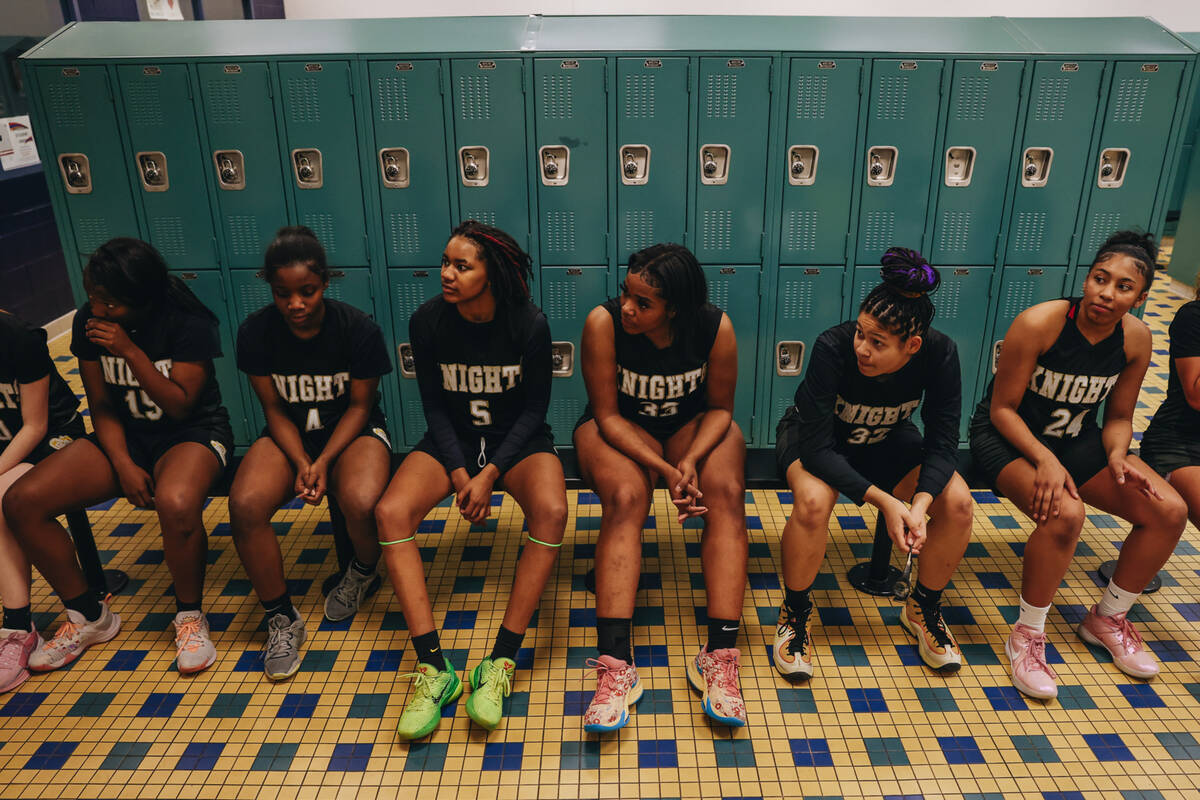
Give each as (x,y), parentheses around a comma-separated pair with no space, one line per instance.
(167,162)
(734,290)
(1053,163)
(899,161)
(1020,288)
(322,156)
(410,160)
(731,162)
(489,143)
(974,168)
(651,151)
(1189,143)
(568,295)
(822,122)
(571,138)
(408,289)
(239,118)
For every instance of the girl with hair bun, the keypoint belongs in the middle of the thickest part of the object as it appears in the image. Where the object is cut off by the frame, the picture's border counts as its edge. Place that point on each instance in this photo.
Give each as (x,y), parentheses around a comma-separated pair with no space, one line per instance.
(315,364)
(850,431)
(1035,436)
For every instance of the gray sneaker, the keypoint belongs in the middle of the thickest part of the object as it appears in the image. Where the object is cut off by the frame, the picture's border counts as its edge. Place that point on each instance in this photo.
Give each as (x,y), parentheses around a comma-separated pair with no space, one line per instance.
(345,598)
(281,659)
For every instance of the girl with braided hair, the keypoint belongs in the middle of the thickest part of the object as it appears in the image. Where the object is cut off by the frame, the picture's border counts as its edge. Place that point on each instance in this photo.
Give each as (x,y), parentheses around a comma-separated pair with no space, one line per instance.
(850,432)
(482,353)
(1035,437)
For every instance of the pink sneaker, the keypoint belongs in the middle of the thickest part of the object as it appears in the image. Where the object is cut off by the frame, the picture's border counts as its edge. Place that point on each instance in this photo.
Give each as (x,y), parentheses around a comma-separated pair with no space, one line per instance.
(617,688)
(15,647)
(715,674)
(1026,649)
(1117,635)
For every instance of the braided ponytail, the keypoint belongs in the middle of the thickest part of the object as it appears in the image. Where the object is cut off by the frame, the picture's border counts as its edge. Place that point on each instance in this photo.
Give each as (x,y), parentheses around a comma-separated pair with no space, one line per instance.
(901,303)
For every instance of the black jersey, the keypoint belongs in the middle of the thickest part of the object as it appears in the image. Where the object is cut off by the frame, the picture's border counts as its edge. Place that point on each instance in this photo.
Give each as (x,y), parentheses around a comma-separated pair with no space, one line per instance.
(165,337)
(1071,380)
(1175,414)
(25,358)
(313,375)
(840,410)
(482,379)
(663,389)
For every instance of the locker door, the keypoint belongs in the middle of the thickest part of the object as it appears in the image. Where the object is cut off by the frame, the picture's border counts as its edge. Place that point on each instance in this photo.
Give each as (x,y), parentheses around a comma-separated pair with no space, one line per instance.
(410,153)
(489,144)
(975,160)
(1124,176)
(1020,288)
(823,102)
(408,289)
(734,116)
(572,160)
(568,296)
(809,302)
(240,119)
(165,155)
(651,153)
(83,152)
(210,288)
(899,162)
(734,290)
(322,144)
(1062,111)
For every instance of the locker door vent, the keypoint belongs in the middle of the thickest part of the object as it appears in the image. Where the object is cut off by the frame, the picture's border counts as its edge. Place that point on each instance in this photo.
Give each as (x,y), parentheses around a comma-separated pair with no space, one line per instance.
(560,298)
(474,98)
(391,99)
(66,107)
(717,230)
(1051,102)
(244,235)
(639,229)
(557,99)
(484,216)
(408,298)
(798,300)
(1018,296)
(90,233)
(143,103)
(1030,231)
(812,95)
(949,297)
(404,232)
(891,97)
(880,230)
(304,104)
(956,231)
(1103,224)
(718,292)
(559,231)
(224,102)
(782,404)
(720,97)
(563,414)
(254,295)
(167,235)
(639,97)
(323,226)
(1130,100)
(801,231)
(971,98)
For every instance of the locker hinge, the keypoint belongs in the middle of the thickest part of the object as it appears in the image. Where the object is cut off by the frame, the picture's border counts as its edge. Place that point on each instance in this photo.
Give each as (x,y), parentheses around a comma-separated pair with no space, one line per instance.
(608,237)
(845,247)
(771,78)
(350,81)
(366,249)
(942,83)
(442,79)
(862,79)
(689,79)
(762,244)
(996,252)
(524,80)
(270,84)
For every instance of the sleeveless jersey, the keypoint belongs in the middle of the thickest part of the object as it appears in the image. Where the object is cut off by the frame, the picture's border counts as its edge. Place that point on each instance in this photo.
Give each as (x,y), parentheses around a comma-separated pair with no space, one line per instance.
(25,358)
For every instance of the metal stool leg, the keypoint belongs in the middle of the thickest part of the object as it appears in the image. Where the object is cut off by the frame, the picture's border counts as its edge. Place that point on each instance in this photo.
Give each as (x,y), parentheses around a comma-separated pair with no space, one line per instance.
(876,576)
(101,581)
(1107,569)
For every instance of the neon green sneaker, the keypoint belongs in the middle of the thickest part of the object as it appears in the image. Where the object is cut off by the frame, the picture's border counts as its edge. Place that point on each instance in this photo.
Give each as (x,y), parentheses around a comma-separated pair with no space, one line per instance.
(491,682)
(431,691)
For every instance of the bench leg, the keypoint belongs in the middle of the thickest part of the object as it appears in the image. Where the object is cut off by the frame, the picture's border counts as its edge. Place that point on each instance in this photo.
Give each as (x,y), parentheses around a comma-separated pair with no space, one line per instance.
(877,576)
(1107,569)
(101,581)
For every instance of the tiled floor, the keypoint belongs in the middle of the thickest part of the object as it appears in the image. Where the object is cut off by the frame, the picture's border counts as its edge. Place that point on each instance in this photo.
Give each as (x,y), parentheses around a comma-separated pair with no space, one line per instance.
(873,723)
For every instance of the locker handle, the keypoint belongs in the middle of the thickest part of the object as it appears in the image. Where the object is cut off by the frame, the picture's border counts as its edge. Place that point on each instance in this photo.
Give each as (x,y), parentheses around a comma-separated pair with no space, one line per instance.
(231,172)
(789,358)
(562,359)
(408,365)
(76,173)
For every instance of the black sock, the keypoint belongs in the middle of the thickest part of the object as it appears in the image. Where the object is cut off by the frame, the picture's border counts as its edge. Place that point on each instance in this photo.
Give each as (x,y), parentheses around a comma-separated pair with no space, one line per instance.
(507,644)
(363,569)
(280,605)
(87,604)
(722,633)
(18,619)
(429,650)
(797,599)
(926,598)
(613,635)
(181,606)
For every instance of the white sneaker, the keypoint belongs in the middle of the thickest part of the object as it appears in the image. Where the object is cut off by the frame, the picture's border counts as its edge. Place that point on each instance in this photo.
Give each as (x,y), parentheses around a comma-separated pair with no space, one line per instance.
(194,648)
(73,637)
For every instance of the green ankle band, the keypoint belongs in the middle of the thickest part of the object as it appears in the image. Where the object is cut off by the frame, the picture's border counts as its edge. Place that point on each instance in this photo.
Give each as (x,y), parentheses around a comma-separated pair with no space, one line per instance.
(398,541)
(544,544)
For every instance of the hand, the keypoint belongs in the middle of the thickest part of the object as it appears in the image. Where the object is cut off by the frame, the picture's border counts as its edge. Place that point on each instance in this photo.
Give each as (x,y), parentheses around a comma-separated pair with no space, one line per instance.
(1128,475)
(312,482)
(684,491)
(474,499)
(904,526)
(109,335)
(136,485)
(1048,485)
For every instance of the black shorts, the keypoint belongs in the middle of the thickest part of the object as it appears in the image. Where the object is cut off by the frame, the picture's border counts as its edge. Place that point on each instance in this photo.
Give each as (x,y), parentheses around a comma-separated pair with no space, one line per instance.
(57,440)
(1165,452)
(1083,456)
(480,446)
(147,448)
(884,464)
(660,435)
(314,441)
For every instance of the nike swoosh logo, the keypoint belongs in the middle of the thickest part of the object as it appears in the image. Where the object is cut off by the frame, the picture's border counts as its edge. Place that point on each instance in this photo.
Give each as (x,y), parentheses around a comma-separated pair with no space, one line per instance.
(728,629)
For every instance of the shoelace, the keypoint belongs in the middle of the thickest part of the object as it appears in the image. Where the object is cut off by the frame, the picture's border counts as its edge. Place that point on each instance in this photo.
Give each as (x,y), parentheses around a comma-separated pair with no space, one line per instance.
(936,625)
(727,674)
(189,636)
(799,623)
(67,631)
(1036,653)
(1129,634)
(423,686)
(347,590)
(280,641)
(498,683)
(10,649)
(606,681)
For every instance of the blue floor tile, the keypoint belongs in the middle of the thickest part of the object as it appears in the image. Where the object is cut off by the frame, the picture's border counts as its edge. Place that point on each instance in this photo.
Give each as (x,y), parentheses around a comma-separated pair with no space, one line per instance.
(960,749)
(126,660)
(51,755)
(349,757)
(23,704)
(200,756)
(502,756)
(1005,698)
(1141,695)
(1108,747)
(384,661)
(160,704)
(459,620)
(657,753)
(810,752)
(298,705)
(867,700)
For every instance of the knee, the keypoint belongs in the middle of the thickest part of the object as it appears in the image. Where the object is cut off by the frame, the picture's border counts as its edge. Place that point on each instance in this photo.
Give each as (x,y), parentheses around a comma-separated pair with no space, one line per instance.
(358,506)
(811,511)
(176,510)
(1174,514)
(1064,529)
(393,514)
(958,507)
(246,507)
(20,504)
(628,499)
(551,516)
(727,493)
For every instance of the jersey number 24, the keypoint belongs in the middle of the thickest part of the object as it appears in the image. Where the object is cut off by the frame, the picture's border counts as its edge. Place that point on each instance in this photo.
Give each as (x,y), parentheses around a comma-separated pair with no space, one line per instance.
(1062,423)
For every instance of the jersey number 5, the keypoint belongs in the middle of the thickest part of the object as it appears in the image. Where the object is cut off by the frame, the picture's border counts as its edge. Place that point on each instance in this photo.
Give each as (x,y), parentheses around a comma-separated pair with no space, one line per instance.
(1062,419)
(146,409)
(479,410)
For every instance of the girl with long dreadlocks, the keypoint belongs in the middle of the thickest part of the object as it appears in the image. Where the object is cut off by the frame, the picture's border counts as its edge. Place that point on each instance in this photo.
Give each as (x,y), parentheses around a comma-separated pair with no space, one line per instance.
(851,431)
(482,353)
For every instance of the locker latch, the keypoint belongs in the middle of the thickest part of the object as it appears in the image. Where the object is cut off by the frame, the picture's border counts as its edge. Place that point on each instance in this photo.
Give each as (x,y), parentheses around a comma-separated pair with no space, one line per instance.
(996,354)
(152,166)
(802,164)
(1113,161)
(789,358)
(393,167)
(556,162)
(473,165)
(231,173)
(562,359)
(714,164)
(76,173)
(881,165)
(960,165)
(635,164)
(1035,166)
(306,162)
(408,365)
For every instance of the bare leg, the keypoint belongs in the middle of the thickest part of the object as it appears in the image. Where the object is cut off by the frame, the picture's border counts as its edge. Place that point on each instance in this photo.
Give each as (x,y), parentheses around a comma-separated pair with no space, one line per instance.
(807,528)
(1186,481)
(358,479)
(264,481)
(182,478)
(538,486)
(948,531)
(14,568)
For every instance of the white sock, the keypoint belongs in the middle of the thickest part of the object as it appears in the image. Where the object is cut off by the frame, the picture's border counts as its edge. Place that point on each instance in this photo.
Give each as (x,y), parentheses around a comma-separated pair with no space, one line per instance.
(1033,616)
(1116,601)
